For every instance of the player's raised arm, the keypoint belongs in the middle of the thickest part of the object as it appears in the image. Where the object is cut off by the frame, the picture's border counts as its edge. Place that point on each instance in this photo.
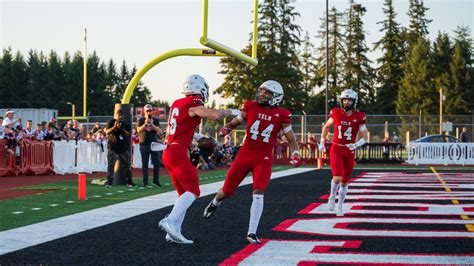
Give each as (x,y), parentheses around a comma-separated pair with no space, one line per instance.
(213,114)
(235,122)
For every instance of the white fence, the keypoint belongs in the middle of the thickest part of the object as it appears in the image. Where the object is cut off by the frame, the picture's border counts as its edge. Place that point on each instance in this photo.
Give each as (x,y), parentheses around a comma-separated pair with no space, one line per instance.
(441,153)
(91,157)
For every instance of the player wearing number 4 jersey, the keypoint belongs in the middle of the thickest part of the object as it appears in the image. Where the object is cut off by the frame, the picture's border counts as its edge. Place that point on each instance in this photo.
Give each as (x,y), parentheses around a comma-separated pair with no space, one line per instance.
(347,123)
(185,116)
(264,121)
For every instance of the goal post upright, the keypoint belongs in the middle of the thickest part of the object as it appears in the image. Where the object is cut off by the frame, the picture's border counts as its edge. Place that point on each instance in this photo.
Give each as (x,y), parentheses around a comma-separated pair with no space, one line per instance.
(218,49)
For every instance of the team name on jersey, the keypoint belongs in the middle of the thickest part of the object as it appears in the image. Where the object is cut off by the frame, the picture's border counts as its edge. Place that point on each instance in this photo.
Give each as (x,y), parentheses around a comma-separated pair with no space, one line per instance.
(264,117)
(345,123)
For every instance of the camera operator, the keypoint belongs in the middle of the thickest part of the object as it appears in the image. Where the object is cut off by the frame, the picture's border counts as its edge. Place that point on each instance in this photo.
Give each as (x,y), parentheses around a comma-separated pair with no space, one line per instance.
(118,143)
(149,131)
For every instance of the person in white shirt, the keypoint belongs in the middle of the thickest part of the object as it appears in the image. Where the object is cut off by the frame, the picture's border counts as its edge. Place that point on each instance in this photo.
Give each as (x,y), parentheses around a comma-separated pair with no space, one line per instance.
(9,121)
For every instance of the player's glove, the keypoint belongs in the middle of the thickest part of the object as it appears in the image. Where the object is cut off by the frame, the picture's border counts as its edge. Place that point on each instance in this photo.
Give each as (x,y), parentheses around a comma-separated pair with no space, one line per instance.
(224,131)
(234,112)
(354,146)
(295,159)
(322,146)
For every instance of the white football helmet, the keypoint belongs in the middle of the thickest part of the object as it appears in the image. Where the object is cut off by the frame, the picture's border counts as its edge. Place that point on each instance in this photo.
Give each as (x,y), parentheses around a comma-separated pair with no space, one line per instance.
(195,84)
(349,94)
(277,93)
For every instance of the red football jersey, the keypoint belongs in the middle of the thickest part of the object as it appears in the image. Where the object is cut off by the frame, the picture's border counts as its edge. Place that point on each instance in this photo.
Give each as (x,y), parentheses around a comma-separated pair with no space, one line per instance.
(263,125)
(180,125)
(346,127)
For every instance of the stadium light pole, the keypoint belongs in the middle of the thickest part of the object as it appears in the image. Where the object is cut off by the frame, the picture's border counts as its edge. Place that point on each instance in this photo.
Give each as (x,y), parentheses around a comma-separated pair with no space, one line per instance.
(327,62)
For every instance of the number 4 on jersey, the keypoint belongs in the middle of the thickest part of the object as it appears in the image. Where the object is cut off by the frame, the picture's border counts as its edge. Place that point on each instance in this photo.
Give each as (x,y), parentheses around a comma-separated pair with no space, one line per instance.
(266,133)
(347,133)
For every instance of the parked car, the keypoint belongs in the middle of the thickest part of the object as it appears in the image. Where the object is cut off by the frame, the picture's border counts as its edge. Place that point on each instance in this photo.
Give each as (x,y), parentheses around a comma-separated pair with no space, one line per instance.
(438,138)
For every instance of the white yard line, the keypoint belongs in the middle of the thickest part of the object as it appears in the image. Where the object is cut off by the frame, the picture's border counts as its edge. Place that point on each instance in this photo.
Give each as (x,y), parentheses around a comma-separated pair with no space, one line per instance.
(27,236)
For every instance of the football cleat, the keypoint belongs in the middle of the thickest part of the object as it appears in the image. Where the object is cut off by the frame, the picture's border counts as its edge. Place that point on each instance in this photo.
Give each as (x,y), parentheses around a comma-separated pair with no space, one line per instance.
(339,211)
(170,239)
(253,239)
(170,229)
(331,203)
(209,210)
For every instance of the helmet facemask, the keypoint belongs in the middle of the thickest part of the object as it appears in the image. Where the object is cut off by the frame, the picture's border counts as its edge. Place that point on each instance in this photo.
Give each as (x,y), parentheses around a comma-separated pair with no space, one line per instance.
(350,95)
(196,85)
(275,90)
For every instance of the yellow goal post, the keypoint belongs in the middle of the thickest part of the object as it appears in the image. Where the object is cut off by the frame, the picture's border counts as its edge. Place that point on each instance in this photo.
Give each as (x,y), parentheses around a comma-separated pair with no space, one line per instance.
(216,49)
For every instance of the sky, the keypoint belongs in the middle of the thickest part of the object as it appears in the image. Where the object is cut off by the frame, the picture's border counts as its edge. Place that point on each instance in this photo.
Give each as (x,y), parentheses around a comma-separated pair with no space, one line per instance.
(138,31)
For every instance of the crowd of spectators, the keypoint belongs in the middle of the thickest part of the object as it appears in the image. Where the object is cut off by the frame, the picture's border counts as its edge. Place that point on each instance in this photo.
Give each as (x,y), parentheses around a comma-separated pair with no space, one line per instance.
(13,130)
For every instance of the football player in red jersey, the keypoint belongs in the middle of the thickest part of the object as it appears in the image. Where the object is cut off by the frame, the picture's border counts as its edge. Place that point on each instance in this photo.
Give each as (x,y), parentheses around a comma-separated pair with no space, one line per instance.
(264,121)
(185,115)
(347,123)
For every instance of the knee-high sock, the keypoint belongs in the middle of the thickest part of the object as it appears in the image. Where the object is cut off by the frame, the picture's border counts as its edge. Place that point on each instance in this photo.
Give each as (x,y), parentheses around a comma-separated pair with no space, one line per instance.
(342,195)
(179,223)
(181,206)
(334,188)
(255,213)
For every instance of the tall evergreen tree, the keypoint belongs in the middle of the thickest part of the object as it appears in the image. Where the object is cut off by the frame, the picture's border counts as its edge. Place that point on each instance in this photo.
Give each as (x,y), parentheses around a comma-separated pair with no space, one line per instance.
(73,76)
(54,81)
(308,65)
(278,59)
(389,72)
(358,74)
(417,91)
(335,57)
(99,100)
(19,79)
(442,53)
(418,26)
(37,75)
(462,66)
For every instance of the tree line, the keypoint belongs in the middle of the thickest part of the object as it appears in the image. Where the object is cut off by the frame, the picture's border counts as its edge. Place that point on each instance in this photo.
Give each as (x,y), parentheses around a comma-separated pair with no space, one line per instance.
(404,79)
(38,80)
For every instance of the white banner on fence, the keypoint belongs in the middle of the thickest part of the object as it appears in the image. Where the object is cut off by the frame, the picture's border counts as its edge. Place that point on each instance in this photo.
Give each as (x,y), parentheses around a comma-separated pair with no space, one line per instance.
(91,157)
(440,153)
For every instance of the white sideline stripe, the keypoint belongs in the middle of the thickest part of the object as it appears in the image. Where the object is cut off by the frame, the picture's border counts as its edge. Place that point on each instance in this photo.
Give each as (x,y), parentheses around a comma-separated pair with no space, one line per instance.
(30,235)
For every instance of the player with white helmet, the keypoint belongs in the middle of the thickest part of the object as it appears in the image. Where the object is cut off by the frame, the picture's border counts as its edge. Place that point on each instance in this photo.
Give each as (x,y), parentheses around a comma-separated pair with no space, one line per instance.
(348,122)
(264,121)
(185,115)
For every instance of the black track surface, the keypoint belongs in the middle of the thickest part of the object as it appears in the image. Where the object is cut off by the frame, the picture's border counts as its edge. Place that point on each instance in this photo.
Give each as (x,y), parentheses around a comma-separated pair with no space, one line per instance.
(139,241)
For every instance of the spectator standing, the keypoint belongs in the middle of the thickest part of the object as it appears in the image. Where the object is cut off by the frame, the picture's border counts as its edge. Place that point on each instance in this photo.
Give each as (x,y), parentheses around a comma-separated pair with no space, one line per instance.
(118,148)
(96,127)
(464,135)
(149,131)
(9,121)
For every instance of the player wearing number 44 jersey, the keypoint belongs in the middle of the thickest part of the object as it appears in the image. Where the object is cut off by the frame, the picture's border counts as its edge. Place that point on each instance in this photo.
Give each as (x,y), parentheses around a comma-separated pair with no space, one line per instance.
(185,116)
(347,124)
(264,121)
